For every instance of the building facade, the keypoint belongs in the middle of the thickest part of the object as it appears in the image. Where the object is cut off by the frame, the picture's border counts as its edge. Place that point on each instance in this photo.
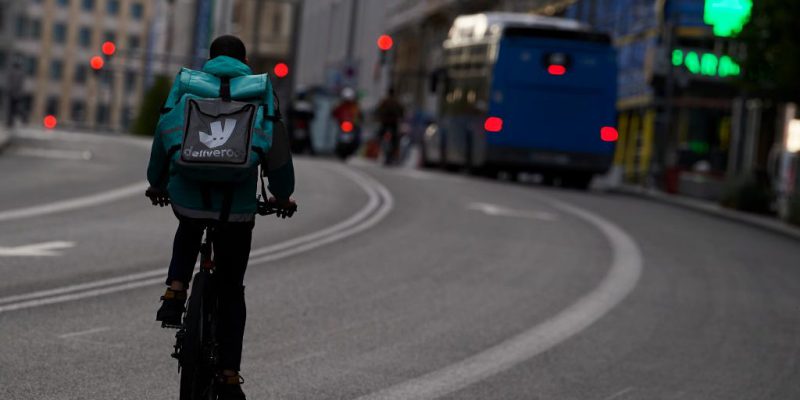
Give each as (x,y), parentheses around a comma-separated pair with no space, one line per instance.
(54,41)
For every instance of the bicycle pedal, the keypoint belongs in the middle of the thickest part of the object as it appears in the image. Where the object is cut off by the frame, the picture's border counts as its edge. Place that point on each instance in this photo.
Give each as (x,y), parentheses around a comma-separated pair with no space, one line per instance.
(170,326)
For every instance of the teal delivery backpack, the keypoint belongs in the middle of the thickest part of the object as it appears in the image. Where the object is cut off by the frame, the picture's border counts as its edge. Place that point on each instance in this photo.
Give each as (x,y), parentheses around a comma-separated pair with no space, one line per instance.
(219,129)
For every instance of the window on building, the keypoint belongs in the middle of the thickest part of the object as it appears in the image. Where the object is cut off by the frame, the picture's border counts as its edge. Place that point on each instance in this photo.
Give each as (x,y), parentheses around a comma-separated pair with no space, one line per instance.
(3,60)
(56,70)
(63,3)
(127,117)
(277,23)
(59,33)
(81,73)
(51,106)
(106,78)
(130,80)
(22,26)
(134,42)
(85,37)
(112,7)
(35,29)
(102,114)
(31,66)
(88,5)
(78,111)
(137,10)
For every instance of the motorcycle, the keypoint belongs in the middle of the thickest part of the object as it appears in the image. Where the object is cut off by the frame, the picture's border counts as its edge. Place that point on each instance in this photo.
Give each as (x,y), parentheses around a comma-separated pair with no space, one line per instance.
(347,140)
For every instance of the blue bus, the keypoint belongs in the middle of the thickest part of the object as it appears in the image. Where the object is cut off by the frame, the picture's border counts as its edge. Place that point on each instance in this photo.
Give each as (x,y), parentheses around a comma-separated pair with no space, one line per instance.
(524,93)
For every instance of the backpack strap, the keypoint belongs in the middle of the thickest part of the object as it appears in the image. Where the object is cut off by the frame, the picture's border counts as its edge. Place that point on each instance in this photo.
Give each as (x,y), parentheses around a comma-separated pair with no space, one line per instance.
(225,88)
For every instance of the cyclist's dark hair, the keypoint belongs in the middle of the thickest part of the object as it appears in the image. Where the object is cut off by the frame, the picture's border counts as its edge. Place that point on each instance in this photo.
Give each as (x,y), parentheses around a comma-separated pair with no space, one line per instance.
(228,45)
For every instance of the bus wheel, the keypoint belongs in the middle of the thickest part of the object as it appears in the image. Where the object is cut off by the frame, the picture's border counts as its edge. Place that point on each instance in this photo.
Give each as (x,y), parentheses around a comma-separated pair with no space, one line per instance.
(577,181)
(548,180)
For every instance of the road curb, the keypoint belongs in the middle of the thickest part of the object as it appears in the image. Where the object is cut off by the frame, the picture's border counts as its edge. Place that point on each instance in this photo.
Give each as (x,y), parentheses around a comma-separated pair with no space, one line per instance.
(5,138)
(766,223)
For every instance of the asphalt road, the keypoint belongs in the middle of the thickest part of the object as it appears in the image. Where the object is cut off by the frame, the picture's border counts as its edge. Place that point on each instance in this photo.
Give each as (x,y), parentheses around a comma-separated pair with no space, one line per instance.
(396,284)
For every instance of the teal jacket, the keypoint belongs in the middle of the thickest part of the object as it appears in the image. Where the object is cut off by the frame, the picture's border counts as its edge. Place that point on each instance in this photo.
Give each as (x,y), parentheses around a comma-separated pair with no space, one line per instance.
(186,195)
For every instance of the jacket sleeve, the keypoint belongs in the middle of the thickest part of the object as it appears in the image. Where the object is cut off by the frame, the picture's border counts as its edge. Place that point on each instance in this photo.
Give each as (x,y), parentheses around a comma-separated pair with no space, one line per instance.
(157,169)
(278,166)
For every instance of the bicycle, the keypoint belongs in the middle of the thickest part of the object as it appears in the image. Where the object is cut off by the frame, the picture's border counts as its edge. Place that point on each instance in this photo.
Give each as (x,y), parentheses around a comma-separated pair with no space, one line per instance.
(196,347)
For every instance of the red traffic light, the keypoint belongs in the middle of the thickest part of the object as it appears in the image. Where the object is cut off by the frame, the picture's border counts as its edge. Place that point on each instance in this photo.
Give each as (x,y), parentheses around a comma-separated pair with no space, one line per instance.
(109,48)
(50,121)
(97,63)
(281,70)
(385,42)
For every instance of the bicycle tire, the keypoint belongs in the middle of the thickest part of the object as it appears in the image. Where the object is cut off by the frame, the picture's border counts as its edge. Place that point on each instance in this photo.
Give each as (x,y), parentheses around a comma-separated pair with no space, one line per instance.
(195,377)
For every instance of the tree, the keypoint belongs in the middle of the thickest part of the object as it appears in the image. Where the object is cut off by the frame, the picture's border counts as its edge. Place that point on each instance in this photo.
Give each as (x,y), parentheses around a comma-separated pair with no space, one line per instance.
(772,58)
(150,109)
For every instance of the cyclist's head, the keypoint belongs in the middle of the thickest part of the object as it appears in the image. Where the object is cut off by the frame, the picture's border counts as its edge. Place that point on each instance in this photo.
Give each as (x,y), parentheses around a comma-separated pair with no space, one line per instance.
(228,45)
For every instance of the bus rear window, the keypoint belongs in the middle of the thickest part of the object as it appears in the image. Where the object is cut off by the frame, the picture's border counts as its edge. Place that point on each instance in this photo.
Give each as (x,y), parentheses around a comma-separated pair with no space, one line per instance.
(583,36)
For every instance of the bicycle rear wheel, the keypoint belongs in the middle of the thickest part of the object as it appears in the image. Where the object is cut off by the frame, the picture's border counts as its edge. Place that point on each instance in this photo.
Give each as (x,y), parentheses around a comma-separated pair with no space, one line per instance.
(196,373)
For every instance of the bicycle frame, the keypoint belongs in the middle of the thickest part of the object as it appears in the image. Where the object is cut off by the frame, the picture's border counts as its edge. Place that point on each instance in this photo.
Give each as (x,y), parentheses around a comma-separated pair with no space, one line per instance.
(196,347)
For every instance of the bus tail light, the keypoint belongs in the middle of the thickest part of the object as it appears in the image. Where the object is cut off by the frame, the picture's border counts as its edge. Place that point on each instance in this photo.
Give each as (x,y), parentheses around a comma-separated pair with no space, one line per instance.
(556,70)
(609,134)
(493,124)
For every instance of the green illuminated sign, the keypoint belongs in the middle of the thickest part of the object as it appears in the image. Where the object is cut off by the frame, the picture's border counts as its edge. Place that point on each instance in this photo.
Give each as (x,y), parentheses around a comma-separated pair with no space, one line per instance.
(706,64)
(728,17)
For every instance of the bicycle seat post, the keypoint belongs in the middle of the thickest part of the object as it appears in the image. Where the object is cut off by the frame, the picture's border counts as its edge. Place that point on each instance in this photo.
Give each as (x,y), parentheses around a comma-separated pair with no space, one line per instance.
(206,250)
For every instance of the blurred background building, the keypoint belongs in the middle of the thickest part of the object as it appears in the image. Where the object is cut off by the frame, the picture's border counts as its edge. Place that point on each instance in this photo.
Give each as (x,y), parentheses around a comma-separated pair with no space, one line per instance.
(53,41)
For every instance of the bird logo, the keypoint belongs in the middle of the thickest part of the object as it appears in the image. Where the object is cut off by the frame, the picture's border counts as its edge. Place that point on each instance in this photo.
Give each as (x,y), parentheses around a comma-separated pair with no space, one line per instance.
(220,133)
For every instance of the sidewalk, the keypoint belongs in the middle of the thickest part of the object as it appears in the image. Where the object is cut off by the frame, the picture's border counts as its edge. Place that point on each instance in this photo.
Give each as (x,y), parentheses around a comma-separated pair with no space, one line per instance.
(767,223)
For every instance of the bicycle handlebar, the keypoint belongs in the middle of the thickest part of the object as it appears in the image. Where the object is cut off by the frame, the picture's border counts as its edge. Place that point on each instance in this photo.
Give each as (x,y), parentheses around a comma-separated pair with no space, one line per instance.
(161,198)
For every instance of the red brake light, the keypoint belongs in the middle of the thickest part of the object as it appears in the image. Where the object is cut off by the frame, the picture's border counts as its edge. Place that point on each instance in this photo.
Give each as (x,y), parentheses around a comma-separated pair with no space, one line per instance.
(609,134)
(493,124)
(557,70)
(347,126)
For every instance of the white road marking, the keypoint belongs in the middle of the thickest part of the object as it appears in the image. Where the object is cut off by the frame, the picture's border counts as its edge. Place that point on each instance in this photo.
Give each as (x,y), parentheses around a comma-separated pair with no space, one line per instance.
(379,205)
(74,204)
(619,394)
(47,249)
(65,136)
(83,333)
(621,279)
(58,154)
(500,211)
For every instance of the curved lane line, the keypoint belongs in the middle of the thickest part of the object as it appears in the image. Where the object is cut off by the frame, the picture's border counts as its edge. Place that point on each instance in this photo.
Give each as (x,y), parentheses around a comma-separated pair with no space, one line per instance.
(379,205)
(74,204)
(621,279)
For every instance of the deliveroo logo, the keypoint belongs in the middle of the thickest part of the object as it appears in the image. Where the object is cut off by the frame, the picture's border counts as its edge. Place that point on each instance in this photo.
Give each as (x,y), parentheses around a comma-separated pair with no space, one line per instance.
(728,17)
(219,133)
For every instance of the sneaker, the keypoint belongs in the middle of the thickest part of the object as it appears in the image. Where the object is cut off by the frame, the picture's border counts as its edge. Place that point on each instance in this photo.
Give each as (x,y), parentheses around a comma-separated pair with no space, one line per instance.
(230,388)
(172,308)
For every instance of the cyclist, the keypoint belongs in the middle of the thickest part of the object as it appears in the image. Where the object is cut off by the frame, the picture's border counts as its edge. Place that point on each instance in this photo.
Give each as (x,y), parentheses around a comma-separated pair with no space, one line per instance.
(228,59)
(389,113)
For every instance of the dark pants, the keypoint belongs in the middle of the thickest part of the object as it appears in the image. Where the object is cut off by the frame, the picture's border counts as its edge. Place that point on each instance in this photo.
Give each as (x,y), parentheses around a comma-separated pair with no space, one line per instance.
(231,252)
